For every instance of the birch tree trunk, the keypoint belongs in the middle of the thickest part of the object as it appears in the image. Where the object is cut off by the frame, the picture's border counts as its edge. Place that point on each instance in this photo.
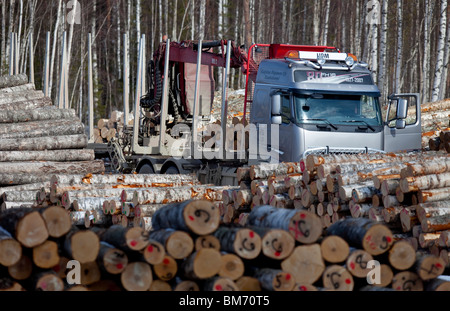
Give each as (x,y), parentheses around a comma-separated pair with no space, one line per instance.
(325,29)
(3,39)
(316,22)
(429,6)
(374,45)
(55,37)
(193,20)
(443,87)
(383,41)
(201,22)
(399,45)
(440,52)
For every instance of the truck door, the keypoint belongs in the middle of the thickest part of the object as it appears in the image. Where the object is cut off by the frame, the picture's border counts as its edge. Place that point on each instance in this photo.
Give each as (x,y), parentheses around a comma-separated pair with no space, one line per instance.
(402,130)
(286,131)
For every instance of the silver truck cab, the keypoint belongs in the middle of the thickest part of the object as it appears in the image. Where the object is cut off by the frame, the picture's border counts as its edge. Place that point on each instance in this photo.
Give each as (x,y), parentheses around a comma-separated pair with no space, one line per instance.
(328,102)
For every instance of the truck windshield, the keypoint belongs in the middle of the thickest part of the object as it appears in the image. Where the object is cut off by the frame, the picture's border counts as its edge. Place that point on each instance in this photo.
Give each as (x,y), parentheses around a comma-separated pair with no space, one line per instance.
(337,109)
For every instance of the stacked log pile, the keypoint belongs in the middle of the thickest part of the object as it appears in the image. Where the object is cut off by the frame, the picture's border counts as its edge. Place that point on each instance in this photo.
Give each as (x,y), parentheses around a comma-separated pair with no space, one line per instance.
(435,118)
(110,128)
(37,139)
(189,248)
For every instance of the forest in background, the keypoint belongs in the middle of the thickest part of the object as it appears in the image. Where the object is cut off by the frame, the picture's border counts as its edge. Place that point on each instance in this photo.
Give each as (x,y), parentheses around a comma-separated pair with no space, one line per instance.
(405,43)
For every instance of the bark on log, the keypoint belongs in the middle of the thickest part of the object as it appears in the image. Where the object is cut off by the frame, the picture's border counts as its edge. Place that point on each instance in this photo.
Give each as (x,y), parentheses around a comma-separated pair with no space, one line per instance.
(441,283)
(35,115)
(389,186)
(436,223)
(49,167)
(137,276)
(265,170)
(26,225)
(18,88)
(197,216)
(66,155)
(202,264)
(305,264)
(44,102)
(433,195)
(337,278)
(243,173)
(7,179)
(293,180)
(391,214)
(177,194)
(178,244)
(432,209)
(428,240)
(126,239)
(334,249)
(232,266)
(13,80)
(440,165)
(364,233)
(304,226)
(111,259)
(8,98)
(363,193)
(425,182)
(82,245)
(241,241)
(275,279)
(408,218)
(76,141)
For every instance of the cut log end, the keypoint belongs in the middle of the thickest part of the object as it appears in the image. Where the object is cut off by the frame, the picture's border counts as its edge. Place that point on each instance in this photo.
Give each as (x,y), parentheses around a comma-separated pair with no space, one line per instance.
(305,227)
(137,276)
(277,244)
(402,255)
(247,243)
(201,216)
(337,278)
(31,230)
(334,249)
(378,239)
(154,252)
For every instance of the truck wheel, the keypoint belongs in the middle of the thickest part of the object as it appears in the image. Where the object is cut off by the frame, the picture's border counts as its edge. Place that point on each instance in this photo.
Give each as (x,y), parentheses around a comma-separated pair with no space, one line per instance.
(146,169)
(172,170)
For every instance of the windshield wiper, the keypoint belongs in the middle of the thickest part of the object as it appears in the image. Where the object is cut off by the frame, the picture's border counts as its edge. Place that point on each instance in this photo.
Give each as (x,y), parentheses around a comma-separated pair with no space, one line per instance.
(323,120)
(362,121)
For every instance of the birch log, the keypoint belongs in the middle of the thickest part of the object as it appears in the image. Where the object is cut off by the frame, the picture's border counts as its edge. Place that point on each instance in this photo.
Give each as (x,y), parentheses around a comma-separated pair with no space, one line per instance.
(367,234)
(50,167)
(77,141)
(198,216)
(432,195)
(66,155)
(35,115)
(425,182)
(304,226)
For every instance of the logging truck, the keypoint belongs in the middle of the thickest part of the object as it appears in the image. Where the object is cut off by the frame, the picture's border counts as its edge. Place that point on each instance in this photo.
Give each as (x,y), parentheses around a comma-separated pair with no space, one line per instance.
(298,100)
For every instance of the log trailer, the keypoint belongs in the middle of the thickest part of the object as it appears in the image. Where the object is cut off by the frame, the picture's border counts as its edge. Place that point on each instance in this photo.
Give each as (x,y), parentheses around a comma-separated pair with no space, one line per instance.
(298,100)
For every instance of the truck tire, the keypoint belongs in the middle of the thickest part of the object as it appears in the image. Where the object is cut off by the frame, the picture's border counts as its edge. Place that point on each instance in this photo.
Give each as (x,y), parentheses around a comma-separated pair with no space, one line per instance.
(172,170)
(146,169)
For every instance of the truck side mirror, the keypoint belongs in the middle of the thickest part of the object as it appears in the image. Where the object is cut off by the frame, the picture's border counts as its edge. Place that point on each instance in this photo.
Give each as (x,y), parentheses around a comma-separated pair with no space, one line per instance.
(400,124)
(402,108)
(276,104)
(277,120)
